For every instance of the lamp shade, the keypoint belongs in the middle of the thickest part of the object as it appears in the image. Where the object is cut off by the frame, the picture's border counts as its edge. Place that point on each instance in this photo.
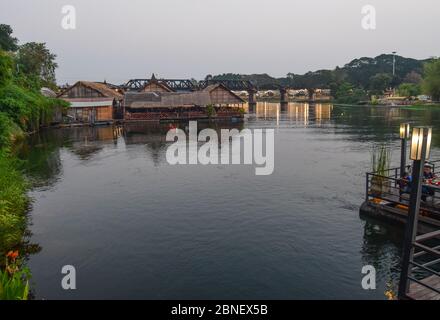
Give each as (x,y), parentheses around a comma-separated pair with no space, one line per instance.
(421,138)
(404,130)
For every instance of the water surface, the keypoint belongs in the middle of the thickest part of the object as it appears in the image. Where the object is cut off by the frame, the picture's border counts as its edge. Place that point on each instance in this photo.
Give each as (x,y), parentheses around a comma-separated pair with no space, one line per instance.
(107,202)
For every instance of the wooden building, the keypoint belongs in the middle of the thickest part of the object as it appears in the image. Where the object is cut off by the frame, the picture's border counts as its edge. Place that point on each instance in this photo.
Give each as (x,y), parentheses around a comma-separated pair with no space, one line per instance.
(222,96)
(93,102)
(155,86)
(213,102)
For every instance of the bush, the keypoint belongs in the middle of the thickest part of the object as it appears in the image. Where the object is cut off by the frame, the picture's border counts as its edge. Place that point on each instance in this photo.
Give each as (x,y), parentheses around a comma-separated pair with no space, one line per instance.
(29,109)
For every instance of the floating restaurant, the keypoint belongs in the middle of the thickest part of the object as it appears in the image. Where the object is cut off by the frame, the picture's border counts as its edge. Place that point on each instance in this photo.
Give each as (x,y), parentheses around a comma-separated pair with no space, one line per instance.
(92,102)
(409,195)
(213,102)
(99,102)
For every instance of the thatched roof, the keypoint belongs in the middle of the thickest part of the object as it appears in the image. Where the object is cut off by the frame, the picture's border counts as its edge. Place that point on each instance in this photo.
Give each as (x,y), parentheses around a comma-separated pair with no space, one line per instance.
(163,85)
(212,87)
(166,99)
(102,88)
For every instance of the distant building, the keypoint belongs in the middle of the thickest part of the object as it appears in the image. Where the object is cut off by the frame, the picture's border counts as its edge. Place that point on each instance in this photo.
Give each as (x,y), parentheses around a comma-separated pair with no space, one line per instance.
(57,116)
(155,86)
(93,102)
(423,97)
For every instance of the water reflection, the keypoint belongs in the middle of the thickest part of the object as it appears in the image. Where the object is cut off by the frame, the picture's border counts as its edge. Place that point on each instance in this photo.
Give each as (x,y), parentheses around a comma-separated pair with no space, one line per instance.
(381,248)
(298,113)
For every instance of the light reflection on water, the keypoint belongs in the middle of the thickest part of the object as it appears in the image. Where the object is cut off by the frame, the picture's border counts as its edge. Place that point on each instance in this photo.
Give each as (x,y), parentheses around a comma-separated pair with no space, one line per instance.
(107,202)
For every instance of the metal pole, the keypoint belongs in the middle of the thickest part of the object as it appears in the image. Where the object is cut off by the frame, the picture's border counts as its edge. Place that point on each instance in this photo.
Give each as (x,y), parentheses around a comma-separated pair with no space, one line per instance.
(403,158)
(411,224)
(394,63)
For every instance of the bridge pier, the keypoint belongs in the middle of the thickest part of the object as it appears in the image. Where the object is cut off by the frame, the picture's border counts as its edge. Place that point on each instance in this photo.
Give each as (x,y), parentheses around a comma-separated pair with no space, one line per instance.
(311,92)
(284,99)
(252,99)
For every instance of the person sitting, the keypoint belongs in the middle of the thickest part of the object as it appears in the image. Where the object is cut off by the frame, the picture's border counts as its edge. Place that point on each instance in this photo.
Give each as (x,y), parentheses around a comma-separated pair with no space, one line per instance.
(405,183)
(427,175)
(427,171)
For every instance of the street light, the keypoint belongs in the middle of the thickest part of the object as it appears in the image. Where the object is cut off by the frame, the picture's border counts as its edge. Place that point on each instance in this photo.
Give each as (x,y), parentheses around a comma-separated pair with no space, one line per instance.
(405,131)
(421,137)
(394,63)
(420,151)
(404,136)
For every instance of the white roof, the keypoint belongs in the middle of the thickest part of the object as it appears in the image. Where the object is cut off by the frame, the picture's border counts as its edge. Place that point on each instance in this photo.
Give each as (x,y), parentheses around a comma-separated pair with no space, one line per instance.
(85,104)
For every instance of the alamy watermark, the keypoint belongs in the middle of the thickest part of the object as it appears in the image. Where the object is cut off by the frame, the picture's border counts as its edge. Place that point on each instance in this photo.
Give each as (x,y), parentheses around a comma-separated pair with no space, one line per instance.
(68,282)
(186,149)
(369,280)
(68,22)
(368,21)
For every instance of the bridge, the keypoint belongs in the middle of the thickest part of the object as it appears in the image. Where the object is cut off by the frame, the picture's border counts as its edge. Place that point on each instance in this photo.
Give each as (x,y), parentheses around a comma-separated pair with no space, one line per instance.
(175,84)
(194,85)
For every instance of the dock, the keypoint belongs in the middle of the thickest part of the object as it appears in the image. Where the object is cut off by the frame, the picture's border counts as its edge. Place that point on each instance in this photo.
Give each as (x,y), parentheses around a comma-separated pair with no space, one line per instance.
(387,199)
(422,292)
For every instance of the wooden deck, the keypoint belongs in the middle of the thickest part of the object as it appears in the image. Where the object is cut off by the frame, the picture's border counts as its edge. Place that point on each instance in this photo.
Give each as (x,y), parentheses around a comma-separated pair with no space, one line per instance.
(419,292)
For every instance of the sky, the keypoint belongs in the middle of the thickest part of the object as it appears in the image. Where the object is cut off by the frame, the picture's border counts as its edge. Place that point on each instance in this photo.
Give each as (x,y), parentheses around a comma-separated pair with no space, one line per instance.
(120,40)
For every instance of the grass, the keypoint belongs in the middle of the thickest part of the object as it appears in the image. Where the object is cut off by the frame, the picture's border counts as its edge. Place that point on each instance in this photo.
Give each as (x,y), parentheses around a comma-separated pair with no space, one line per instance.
(381,160)
(421,106)
(13,203)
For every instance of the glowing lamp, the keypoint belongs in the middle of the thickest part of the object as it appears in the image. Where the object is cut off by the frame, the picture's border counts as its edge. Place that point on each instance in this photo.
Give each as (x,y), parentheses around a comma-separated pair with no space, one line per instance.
(421,138)
(404,130)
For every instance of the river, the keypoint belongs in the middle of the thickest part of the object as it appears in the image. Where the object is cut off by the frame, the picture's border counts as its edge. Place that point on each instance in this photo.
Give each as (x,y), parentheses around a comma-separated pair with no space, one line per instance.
(106,201)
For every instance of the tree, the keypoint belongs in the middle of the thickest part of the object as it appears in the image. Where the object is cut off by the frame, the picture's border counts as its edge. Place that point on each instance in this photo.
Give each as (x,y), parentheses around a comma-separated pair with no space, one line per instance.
(431,80)
(413,77)
(380,82)
(348,94)
(5,68)
(7,43)
(409,90)
(35,60)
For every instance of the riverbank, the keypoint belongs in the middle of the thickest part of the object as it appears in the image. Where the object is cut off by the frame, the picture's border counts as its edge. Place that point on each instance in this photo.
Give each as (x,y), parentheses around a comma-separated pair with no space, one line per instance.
(411,106)
(13,203)
(23,110)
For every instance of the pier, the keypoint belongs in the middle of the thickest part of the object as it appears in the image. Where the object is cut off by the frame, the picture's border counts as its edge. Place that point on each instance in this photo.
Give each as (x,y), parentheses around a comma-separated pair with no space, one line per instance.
(388,198)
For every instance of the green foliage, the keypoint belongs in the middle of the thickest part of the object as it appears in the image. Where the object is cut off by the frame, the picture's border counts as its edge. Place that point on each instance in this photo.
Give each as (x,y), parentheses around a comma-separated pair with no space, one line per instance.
(431,80)
(346,93)
(358,72)
(36,61)
(7,130)
(22,109)
(210,110)
(29,109)
(13,203)
(381,160)
(380,82)
(409,90)
(5,68)
(7,42)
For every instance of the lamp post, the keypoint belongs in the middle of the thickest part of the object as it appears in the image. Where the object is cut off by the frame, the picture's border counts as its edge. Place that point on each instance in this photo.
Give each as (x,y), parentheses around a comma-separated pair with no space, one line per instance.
(420,150)
(404,136)
(394,63)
